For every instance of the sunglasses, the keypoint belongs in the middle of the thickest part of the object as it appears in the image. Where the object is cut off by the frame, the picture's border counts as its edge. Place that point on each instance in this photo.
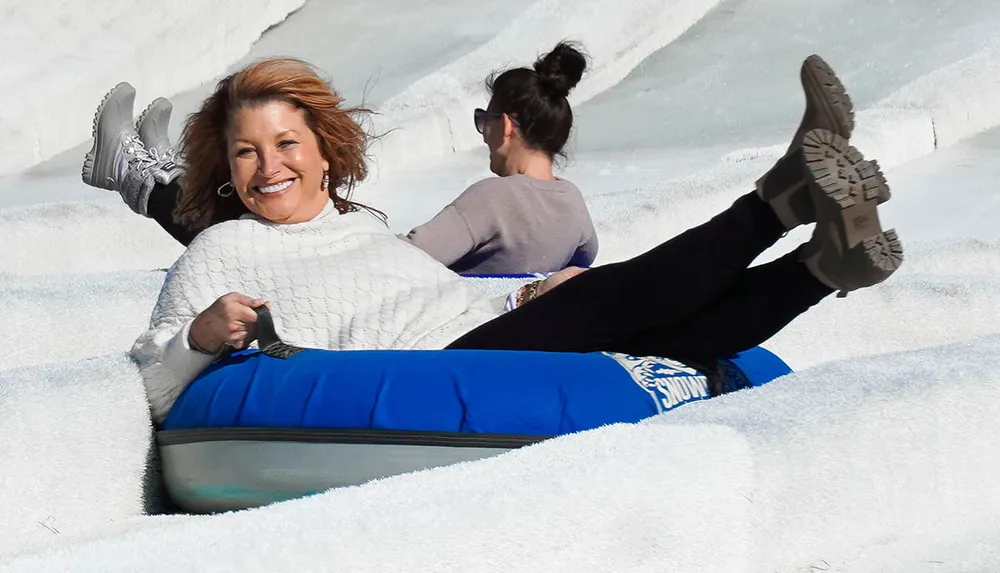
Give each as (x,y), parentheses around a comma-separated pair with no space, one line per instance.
(480,115)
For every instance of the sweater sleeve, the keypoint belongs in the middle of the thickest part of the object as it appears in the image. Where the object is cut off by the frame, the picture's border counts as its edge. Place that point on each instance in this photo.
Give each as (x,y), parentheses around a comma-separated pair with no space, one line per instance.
(463,226)
(166,359)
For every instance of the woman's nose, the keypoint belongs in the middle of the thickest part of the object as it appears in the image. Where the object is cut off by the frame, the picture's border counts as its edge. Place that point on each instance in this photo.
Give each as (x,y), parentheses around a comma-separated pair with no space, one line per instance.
(270,163)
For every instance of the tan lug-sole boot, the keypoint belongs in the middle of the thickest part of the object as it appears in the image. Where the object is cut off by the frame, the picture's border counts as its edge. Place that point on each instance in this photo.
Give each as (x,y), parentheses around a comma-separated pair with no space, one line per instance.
(848,249)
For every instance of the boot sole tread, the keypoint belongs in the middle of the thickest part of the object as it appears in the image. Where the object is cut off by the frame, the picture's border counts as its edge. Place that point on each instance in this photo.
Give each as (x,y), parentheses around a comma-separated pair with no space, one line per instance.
(819,78)
(87,172)
(885,251)
(834,163)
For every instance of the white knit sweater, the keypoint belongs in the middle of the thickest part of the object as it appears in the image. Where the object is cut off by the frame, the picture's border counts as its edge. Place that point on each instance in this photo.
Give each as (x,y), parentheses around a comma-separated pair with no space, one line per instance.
(339,282)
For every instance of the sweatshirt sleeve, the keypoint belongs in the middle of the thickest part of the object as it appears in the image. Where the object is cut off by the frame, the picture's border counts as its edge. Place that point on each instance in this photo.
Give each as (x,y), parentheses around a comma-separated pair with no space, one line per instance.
(166,359)
(446,237)
(463,226)
(586,253)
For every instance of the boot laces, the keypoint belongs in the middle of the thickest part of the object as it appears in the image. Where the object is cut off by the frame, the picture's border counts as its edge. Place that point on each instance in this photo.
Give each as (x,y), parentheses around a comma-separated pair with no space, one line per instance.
(165,160)
(144,160)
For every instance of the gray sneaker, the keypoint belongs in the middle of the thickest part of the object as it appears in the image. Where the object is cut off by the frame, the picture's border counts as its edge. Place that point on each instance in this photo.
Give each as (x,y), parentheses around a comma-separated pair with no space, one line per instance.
(829,107)
(848,249)
(119,161)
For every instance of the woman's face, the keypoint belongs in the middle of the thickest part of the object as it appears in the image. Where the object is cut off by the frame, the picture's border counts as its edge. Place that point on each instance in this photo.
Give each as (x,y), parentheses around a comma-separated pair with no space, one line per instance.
(275,163)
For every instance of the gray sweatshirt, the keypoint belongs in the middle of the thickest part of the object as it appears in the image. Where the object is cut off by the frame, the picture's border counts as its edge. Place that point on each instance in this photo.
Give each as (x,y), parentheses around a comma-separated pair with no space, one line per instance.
(513,224)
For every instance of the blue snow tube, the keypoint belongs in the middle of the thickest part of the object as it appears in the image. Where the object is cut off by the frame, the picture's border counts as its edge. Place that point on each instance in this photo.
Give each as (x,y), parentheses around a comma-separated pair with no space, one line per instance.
(466,391)
(254,429)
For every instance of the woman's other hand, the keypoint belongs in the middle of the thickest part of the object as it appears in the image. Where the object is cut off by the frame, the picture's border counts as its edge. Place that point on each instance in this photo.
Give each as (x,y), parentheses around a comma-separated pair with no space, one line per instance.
(557,278)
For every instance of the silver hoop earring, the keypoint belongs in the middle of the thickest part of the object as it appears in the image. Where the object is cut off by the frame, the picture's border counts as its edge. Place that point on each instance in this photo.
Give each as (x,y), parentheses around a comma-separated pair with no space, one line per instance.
(326,181)
(222,193)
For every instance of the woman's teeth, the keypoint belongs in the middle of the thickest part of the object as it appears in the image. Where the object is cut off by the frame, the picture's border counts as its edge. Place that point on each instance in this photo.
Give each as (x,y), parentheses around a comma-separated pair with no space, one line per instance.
(275,188)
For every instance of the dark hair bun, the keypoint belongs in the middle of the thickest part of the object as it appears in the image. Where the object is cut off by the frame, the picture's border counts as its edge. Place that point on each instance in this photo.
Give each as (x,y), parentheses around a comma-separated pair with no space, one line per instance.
(561,69)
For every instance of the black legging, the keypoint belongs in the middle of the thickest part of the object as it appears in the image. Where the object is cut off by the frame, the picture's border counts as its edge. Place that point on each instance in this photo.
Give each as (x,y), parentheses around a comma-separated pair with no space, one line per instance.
(691,299)
(160,207)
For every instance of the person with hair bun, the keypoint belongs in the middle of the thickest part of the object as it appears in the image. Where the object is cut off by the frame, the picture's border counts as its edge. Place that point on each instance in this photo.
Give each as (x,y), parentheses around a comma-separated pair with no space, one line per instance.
(527,219)
(274,145)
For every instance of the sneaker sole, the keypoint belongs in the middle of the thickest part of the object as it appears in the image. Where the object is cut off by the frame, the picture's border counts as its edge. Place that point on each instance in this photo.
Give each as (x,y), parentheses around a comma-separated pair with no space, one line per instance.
(87,172)
(826,97)
(848,189)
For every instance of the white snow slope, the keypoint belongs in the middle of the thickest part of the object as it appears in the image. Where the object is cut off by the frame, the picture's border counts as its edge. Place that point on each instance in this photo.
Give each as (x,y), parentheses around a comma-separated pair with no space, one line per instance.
(878,454)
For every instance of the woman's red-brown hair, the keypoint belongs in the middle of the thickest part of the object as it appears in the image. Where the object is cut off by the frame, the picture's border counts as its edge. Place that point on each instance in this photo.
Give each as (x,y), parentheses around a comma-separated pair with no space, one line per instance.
(342,141)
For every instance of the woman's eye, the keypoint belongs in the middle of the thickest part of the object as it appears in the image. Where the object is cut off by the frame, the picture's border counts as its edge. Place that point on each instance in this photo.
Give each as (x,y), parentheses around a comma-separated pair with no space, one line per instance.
(286,143)
(244,152)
